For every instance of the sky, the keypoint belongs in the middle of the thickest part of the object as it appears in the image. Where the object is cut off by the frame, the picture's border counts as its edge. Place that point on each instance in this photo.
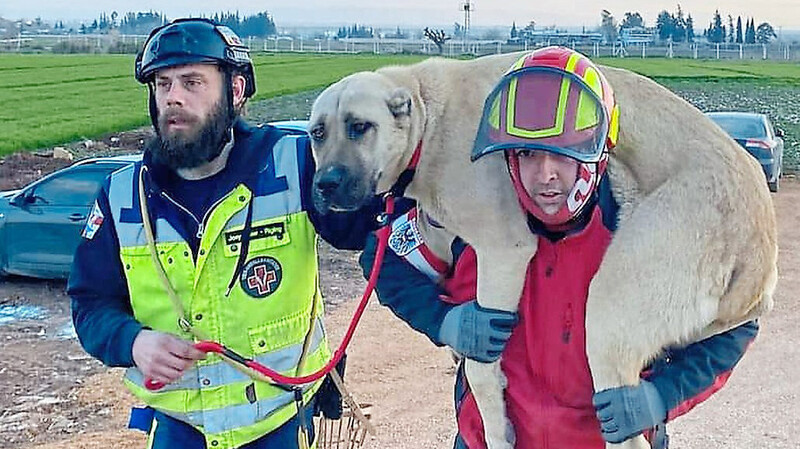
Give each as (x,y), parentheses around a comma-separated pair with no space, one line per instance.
(780,13)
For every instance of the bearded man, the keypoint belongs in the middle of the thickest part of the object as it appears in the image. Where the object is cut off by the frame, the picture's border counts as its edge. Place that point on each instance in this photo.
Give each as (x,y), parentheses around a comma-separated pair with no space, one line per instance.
(210,236)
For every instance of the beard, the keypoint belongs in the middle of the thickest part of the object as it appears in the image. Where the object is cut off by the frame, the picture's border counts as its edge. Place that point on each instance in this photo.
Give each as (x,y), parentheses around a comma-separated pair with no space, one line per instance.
(196,145)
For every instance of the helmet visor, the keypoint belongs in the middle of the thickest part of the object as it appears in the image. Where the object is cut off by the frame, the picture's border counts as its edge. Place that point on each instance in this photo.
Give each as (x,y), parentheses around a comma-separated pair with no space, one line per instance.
(544,108)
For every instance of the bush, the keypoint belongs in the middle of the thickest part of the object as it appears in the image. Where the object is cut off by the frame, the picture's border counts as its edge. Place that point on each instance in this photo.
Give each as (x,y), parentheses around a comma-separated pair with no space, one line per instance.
(75,46)
(127,47)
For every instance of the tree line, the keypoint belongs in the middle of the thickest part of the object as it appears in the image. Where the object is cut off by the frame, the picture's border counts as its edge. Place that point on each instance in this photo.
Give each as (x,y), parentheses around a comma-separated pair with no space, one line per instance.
(735,34)
(256,25)
(679,27)
(356,31)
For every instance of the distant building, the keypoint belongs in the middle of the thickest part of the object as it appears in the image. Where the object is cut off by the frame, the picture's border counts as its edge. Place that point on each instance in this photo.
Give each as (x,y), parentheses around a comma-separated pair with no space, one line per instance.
(638,35)
(555,37)
(8,28)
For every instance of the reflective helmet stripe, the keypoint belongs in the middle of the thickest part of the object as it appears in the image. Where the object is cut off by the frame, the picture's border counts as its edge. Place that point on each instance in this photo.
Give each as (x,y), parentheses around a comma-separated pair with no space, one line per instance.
(613,127)
(556,129)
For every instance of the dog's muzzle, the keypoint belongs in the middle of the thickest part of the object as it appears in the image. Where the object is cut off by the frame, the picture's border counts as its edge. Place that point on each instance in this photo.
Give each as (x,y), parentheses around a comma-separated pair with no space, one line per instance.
(337,190)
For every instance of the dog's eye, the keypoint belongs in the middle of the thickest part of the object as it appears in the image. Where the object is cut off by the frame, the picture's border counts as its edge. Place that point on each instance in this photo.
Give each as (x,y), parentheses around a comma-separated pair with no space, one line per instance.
(317,133)
(358,129)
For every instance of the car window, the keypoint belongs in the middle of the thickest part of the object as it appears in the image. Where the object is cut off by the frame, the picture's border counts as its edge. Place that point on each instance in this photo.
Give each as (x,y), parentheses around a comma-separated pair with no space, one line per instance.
(742,127)
(770,130)
(75,187)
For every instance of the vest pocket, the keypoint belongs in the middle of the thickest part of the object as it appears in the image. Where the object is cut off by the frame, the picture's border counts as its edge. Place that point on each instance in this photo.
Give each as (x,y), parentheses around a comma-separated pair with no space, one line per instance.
(286,332)
(164,249)
(149,298)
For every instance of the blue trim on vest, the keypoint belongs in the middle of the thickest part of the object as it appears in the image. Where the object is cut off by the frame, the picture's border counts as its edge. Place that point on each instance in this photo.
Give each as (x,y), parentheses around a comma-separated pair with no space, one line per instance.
(266,182)
(133,214)
(306,168)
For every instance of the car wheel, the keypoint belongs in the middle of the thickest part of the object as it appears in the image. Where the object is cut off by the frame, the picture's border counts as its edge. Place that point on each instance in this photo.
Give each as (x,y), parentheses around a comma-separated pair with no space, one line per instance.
(773,186)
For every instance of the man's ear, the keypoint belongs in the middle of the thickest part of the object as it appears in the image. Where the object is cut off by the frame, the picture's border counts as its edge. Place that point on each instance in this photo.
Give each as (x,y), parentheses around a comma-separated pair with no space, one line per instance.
(239,84)
(399,102)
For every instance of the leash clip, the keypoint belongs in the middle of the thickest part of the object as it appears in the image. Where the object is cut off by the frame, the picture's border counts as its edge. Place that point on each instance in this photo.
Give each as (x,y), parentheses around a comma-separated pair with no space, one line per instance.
(387,199)
(382,219)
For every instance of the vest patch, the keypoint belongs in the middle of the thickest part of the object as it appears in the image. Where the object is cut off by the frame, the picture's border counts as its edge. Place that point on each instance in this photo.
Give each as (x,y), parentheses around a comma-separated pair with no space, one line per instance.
(277,230)
(405,238)
(261,276)
(93,223)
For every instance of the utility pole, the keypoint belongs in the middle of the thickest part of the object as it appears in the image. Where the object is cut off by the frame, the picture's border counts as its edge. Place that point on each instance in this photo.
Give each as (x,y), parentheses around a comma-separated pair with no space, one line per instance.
(467,7)
(19,37)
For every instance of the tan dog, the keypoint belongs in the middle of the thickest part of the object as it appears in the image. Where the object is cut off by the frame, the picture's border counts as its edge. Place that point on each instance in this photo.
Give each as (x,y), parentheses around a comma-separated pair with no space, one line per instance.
(695,252)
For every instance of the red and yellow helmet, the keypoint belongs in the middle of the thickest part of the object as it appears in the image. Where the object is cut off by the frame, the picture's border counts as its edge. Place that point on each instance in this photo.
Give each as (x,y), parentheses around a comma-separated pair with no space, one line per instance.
(553,99)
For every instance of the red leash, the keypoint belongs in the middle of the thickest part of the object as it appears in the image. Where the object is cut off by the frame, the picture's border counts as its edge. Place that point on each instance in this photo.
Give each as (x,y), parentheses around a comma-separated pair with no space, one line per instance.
(211,346)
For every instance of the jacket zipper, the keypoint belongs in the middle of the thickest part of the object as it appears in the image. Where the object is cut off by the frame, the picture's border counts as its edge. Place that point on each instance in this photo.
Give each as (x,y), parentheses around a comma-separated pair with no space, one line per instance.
(566,330)
(200,223)
(199,234)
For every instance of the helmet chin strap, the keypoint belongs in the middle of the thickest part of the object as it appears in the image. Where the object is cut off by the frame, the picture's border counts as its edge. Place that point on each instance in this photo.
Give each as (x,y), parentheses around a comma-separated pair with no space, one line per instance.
(228,80)
(153,108)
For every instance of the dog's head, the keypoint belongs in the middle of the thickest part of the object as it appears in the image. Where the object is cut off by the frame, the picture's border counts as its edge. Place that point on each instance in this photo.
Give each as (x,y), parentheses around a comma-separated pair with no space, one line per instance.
(361,129)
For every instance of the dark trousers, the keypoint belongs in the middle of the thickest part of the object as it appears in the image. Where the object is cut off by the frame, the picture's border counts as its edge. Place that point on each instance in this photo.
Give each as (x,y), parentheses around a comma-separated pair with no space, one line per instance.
(169,433)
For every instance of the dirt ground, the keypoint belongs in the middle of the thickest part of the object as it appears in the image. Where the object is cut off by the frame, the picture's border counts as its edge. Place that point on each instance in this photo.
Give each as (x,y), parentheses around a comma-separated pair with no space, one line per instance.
(52,395)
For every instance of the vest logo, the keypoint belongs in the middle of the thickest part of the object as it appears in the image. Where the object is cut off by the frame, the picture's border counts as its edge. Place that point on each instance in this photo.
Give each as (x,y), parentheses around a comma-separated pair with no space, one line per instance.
(261,277)
(405,238)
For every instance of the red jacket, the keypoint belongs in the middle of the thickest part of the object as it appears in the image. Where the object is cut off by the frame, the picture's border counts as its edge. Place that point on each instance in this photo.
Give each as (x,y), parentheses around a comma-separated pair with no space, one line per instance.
(549,393)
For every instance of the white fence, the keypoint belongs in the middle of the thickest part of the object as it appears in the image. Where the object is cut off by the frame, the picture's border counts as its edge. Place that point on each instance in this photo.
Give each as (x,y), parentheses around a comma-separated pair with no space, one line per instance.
(451,48)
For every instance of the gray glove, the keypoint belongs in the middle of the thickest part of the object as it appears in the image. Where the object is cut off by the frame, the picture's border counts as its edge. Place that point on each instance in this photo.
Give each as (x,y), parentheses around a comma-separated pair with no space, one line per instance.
(625,412)
(477,333)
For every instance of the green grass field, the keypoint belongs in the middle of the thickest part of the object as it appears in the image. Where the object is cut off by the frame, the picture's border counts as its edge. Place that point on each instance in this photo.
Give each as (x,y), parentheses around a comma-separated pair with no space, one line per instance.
(770,72)
(51,99)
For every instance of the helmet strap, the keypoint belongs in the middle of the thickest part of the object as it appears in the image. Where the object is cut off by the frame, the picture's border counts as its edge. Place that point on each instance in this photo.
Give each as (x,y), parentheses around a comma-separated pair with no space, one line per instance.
(564,219)
(153,107)
(227,79)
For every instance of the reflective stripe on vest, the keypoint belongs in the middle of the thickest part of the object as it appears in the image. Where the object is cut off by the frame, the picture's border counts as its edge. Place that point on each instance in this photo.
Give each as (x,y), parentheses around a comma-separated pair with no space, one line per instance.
(406,241)
(275,205)
(123,182)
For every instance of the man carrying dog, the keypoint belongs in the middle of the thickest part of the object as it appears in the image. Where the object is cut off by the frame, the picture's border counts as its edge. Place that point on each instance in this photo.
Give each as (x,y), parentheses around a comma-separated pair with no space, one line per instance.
(210,236)
(554,118)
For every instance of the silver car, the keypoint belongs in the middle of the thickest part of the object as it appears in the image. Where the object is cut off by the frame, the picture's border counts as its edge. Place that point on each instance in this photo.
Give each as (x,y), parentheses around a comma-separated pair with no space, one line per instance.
(755,133)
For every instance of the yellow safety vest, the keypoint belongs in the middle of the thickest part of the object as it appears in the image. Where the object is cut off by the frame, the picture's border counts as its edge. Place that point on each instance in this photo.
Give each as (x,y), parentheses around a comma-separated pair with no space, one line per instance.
(265,317)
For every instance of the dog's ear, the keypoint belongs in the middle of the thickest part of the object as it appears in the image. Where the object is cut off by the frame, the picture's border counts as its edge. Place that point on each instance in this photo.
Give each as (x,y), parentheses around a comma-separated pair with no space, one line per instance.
(400,102)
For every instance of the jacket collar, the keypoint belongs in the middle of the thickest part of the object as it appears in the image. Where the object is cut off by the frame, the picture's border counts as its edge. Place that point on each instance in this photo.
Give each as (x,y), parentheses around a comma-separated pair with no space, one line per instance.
(602,204)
